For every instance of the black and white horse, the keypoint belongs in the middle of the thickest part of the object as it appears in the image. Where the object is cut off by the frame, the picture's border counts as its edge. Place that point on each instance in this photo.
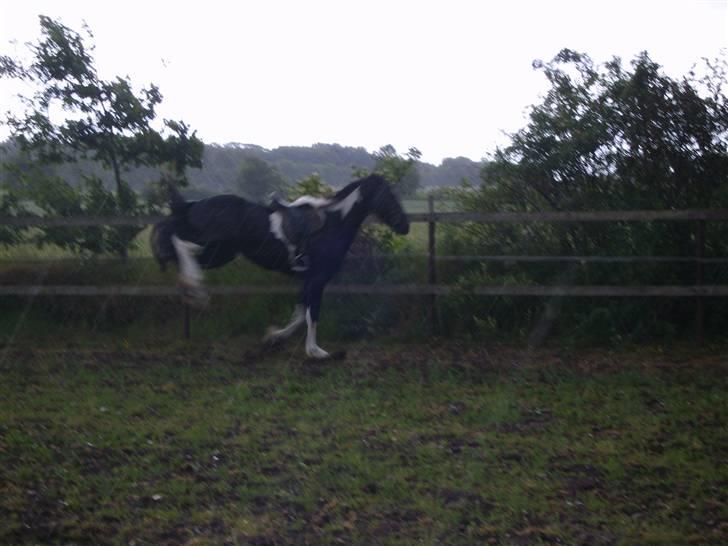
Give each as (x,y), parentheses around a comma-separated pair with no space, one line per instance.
(211,232)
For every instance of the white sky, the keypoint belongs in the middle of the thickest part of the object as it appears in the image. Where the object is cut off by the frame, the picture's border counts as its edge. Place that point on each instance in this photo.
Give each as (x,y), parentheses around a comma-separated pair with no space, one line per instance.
(448,77)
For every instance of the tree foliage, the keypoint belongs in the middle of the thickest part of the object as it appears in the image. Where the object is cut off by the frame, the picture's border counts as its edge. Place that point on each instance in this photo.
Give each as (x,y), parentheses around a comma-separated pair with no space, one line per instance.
(9,206)
(400,171)
(257,180)
(312,185)
(606,137)
(615,137)
(611,138)
(75,114)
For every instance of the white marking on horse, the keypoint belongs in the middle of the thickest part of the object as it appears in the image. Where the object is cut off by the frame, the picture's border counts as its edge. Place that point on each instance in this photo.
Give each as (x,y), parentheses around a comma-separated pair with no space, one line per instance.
(276,228)
(312,349)
(315,202)
(347,203)
(191,272)
(274,335)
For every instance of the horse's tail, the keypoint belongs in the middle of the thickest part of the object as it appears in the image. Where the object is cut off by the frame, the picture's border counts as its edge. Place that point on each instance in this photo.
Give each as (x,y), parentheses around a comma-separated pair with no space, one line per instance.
(161,242)
(161,236)
(176,202)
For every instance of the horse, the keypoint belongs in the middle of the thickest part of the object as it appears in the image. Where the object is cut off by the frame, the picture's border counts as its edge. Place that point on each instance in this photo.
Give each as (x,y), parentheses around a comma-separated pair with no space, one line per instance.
(307,239)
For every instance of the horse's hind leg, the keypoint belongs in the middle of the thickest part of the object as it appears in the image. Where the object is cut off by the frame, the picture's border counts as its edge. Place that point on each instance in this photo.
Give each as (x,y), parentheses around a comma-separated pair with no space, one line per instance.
(190,273)
(274,335)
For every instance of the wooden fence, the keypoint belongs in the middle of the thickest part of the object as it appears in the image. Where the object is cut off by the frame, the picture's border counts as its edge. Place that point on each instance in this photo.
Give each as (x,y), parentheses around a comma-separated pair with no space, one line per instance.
(432,289)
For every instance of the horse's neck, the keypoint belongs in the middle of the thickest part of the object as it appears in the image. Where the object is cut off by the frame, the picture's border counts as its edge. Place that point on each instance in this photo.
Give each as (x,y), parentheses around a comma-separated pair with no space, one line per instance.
(355,217)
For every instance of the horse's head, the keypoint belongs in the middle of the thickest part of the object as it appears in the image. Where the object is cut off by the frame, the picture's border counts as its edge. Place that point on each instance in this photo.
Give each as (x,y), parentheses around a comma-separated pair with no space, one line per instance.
(385,205)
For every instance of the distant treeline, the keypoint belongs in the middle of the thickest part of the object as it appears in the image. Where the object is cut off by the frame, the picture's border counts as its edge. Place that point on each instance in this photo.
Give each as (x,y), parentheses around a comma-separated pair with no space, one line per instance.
(221,166)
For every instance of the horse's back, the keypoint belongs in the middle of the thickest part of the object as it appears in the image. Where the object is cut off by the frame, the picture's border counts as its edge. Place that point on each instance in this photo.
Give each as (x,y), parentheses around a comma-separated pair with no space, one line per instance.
(224,217)
(227,225)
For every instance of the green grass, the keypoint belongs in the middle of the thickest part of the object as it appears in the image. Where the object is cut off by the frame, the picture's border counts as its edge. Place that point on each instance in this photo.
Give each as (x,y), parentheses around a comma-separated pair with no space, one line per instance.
(398,444)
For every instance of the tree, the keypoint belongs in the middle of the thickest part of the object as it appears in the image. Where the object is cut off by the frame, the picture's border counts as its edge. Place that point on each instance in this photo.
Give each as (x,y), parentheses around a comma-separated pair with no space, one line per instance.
(400,171)
(9,206)
(610,137)
(257,180)
(75,114)
(312,185)
(607,137)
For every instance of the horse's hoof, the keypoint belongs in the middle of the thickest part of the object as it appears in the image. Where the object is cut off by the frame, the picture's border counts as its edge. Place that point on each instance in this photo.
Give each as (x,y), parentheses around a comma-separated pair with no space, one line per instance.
(197,301)
(271,345)
(270,339)
(272,342)
(194,296)
(329,357)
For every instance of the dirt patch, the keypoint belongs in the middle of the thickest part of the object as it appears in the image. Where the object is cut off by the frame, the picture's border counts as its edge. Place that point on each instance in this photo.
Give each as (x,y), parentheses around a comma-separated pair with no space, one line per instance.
(533,422)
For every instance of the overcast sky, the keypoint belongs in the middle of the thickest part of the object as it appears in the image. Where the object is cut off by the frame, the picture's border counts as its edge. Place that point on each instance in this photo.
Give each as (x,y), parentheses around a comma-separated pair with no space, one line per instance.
(448,77)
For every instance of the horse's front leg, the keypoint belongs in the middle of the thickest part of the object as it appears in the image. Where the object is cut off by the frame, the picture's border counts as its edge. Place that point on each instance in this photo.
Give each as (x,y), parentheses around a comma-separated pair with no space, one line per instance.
(275,335)
(312,293)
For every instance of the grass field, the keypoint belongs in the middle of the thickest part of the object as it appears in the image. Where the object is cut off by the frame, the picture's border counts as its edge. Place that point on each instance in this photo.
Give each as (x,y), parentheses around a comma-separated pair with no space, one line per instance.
(397,444)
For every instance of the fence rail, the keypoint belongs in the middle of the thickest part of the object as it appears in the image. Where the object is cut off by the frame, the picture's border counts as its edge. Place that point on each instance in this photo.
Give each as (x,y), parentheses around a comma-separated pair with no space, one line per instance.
(432,289)
(426,217)
(671,291)
(505,258)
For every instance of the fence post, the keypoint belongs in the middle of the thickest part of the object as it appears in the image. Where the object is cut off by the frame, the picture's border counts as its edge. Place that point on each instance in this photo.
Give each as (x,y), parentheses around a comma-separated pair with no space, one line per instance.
(432,264)
(699,300)
(186,326)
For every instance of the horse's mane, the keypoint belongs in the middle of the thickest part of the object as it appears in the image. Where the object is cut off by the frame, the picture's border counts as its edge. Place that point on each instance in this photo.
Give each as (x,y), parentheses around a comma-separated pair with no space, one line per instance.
(346,190)
(370,181)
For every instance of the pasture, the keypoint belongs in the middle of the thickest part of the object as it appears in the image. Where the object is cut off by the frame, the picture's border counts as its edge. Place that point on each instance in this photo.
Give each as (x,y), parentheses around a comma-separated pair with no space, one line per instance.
(451,443)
